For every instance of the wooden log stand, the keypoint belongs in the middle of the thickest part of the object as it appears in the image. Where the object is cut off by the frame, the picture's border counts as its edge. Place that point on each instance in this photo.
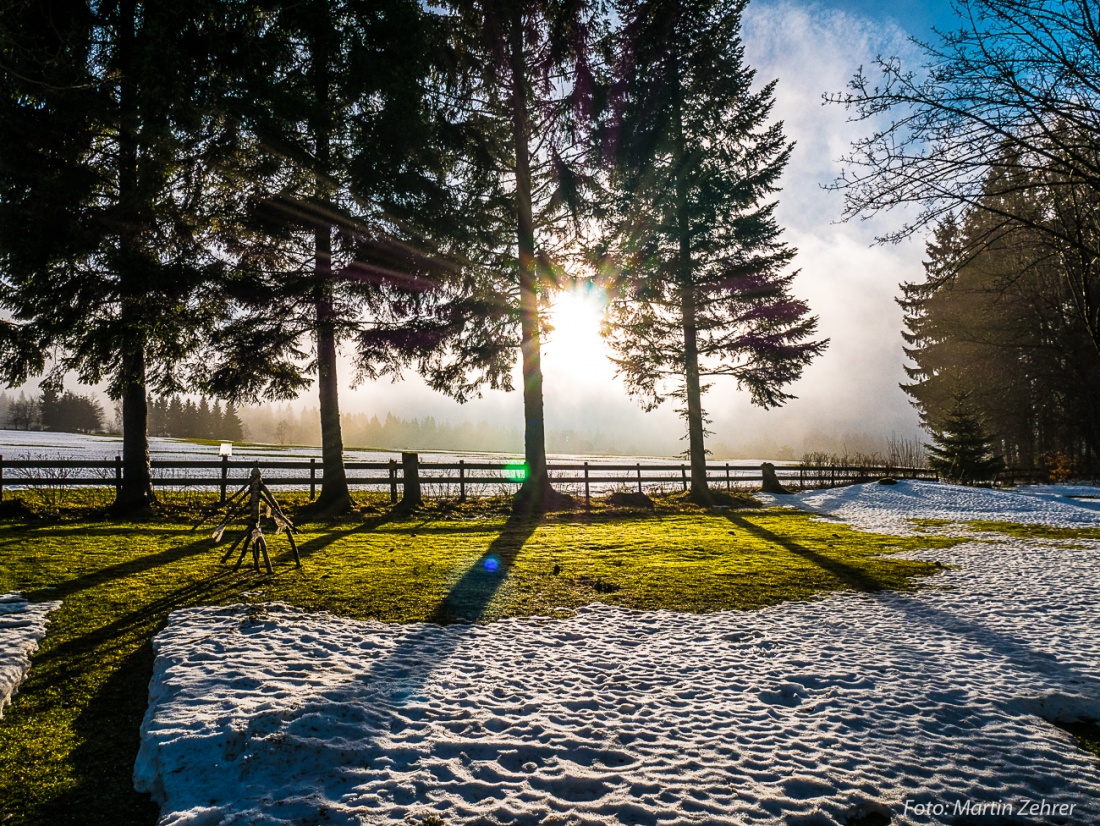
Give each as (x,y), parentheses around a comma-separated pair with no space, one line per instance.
(253,535)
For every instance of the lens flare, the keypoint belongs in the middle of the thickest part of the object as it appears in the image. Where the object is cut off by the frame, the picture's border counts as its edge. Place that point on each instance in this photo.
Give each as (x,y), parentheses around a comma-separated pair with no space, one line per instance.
(491,564)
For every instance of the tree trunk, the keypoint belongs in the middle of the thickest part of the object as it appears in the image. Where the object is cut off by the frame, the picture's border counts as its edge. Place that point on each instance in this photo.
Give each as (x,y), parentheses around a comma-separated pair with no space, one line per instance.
(536,494)
(694,397)
(136,492)
(693,392)
(334,496)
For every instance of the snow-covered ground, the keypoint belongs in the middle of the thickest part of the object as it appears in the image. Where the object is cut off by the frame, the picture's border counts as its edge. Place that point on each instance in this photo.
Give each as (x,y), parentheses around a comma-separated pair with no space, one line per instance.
(889,508)
(929,707)
(22,625)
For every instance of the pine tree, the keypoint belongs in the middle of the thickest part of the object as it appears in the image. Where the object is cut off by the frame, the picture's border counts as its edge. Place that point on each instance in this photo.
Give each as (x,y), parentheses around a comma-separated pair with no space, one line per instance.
(960,451)
(524,87)
(994,319)
(704,285)
(103,201)
(335,165)
(217,419)
(158,416)
(205,425)
(175,418)
(232,429)
(190,420)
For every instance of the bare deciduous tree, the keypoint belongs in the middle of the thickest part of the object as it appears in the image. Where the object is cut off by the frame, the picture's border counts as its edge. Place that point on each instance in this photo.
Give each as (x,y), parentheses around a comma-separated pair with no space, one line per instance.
(1013,92)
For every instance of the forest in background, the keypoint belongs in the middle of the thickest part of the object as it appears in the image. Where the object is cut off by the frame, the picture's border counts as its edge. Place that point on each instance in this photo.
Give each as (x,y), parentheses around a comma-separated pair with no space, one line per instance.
(296,424)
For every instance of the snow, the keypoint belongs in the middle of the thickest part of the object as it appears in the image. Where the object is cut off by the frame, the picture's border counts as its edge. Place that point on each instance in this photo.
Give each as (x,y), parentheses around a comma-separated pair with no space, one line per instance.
(889,508)
(1076,491)
(922,706)
(22,625)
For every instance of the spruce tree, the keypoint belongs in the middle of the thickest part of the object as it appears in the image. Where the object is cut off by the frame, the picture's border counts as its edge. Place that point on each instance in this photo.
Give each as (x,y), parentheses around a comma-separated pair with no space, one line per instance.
(705,289)
(525,81)
(231,429)
(105,155)
(335,166)
(960,451)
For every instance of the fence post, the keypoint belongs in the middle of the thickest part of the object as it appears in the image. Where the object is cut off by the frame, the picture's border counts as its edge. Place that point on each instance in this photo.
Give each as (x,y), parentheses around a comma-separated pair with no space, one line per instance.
(728,477)
(684,477)
(587,495)
(312,477)
(393,481)
(410,480)
(639,467)
(461,480)
(118,476)
(225,475)
(1,478)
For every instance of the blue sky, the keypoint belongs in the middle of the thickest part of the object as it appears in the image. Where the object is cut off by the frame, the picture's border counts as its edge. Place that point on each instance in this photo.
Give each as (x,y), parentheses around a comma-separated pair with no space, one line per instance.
(915,17)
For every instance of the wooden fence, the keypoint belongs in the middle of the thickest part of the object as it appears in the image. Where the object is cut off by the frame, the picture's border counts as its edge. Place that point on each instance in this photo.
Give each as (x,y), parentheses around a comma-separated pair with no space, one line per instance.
(227,474)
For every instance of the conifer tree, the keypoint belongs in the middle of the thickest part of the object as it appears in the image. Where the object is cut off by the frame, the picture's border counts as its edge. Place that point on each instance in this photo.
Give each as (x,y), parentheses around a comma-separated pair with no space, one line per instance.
(175,418)
(231,428)
(206,424)
(705,286)
(523,93)
(104,158)
(994,318)
(335,166)
(960,450)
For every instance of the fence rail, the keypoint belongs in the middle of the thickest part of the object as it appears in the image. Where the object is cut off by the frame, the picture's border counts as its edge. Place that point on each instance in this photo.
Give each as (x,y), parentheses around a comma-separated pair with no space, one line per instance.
(227,473)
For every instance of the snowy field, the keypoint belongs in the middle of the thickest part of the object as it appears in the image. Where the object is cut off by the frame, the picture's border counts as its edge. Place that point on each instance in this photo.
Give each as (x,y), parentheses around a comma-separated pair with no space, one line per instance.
(22,625)
(889,508)
(929,707)
(33,444)
(23,444)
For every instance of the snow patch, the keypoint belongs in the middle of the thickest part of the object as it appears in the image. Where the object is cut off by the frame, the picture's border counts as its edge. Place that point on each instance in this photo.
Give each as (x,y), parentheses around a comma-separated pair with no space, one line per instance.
(22,625)
(816,712)
(889,508)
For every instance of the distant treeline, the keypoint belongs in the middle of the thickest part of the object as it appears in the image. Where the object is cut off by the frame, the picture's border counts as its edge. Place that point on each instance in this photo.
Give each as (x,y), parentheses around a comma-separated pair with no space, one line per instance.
(186,419)
(285,425)
(65,412)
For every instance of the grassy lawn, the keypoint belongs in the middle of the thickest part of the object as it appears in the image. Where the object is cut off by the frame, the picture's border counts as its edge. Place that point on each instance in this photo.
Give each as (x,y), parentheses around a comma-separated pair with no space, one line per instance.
(1017,530)
(68,742)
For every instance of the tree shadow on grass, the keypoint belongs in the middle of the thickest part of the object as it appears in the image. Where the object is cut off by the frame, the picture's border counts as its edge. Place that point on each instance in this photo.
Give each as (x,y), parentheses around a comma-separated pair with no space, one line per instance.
(107,728)
(398,522)
(470,597)
(119,570)
(319,543)
(850,575)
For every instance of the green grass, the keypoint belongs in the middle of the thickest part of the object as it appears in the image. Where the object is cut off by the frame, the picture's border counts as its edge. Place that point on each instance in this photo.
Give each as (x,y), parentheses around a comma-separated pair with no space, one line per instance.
(68,742)
(932,523)
(1085,732)
(1013,529)
(1020,531)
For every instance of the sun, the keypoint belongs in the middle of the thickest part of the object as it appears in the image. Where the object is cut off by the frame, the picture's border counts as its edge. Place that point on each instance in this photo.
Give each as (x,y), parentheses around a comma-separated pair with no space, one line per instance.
(575,346)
